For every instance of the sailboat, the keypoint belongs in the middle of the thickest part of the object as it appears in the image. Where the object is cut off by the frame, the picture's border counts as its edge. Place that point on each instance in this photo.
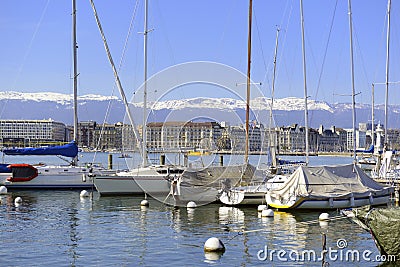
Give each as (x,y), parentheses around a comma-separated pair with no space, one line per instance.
(43,176)
(151,179)
(254,193)
(329,187)
(171,184)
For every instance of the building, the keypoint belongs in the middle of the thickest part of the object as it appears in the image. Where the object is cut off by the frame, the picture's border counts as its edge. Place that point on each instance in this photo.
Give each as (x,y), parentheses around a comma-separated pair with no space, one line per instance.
(106,136)
(30,133)
(178,136)
(328,139)
(292,139)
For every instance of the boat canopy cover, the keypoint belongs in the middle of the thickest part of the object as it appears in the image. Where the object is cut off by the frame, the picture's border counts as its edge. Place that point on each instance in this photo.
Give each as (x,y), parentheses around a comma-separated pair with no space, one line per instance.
(329,182)
(68,150)
(4,168)
(385,227)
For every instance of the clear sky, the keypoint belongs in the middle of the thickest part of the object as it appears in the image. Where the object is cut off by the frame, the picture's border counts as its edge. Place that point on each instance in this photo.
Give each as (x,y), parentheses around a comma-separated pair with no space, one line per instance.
(36,54)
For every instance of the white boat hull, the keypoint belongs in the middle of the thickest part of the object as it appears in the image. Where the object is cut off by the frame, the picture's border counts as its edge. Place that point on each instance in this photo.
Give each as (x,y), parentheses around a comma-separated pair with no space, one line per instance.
(328,203)
(53,177)
(131,185)
(252,194)
(153,180)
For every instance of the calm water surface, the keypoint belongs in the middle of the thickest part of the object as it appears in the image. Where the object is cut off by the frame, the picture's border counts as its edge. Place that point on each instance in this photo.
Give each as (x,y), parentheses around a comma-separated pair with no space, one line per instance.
(59,228)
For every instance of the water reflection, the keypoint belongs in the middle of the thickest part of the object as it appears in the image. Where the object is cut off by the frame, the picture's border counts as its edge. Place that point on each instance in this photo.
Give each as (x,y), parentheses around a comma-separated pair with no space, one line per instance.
(60,228)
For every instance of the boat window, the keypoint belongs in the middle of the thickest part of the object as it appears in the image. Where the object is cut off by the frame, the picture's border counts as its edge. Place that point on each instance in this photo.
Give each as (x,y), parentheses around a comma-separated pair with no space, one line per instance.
(176,171)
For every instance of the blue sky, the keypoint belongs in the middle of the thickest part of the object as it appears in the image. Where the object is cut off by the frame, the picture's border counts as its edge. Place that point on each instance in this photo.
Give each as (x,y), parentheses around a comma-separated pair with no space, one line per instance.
(36,52)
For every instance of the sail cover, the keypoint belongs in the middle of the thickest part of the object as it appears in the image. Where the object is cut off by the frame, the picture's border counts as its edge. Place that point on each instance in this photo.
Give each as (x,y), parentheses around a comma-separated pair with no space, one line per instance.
(68,150)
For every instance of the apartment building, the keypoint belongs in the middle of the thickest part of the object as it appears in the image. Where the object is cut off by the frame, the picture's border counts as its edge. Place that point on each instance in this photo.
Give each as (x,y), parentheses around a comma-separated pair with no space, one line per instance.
(32,132)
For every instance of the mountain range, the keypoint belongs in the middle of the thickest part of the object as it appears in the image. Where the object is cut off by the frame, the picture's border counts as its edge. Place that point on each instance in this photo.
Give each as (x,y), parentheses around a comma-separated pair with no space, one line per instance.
(287,111)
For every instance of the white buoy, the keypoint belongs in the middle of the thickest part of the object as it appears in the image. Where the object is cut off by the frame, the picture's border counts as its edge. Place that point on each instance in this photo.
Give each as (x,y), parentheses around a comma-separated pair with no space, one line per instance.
(191,205)
(213,244)
(260,208)
(18,200)
(3,190)
(144,202)
(323,217)
(267,213)
(324,224)
(84,193)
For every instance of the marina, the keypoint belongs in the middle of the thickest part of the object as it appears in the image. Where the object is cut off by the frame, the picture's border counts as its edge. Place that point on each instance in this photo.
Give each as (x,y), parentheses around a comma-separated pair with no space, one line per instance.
(184,181)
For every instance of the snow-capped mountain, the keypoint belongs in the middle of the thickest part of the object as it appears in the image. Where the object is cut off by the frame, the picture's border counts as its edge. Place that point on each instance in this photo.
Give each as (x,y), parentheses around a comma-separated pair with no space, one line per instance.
(45,105)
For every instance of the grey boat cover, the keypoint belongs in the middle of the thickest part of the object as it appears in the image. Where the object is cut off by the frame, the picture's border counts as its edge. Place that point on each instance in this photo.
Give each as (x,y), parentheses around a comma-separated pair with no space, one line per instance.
(338,181)
(384,224)
(215,176)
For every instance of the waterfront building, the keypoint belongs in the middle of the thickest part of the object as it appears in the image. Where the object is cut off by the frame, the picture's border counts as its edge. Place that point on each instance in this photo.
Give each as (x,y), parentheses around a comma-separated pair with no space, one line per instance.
(328,139)
(360,139)
(292,138)
(23,133)
(393,139)
(177,136)
(106,136)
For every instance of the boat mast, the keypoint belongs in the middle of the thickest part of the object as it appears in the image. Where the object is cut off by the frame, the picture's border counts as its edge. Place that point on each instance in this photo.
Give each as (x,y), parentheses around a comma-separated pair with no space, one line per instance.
(387,71)
(373,115)
(144,130)
(273,161)
(305,81)
(75,66)
(353,94)
(246,152)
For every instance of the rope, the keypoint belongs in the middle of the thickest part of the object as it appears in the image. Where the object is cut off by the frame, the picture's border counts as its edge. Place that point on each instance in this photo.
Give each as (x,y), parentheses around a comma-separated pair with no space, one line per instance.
(119,68)
(117,80)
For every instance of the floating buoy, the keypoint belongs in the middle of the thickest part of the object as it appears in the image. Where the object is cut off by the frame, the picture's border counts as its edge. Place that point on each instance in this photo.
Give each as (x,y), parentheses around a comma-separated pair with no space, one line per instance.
(191,205)
(323,224)
(213,244)
(3,190)
(18,200)
(267,213)
(144,202)
(84,193)
(323,217)
(260,208)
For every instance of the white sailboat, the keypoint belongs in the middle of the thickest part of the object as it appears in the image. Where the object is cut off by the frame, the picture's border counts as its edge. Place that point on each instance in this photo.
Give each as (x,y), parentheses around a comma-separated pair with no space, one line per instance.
(254,193)
(171,184)
(151,179)
(43,176)
(329,187)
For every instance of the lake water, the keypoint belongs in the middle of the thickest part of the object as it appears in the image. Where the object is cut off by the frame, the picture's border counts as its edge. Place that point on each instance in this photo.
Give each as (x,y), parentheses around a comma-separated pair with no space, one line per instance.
(58,228)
